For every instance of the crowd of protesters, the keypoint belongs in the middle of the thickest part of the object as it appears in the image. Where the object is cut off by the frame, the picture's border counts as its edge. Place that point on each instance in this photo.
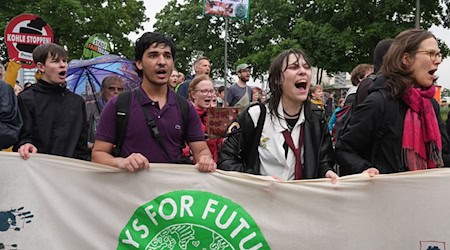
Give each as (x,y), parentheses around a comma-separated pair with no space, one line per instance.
(395,123)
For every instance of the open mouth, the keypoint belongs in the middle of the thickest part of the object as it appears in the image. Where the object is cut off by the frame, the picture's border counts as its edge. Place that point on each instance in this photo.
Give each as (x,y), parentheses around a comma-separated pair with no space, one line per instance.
(62,73)
(431,72)
(161,71)
(301,84)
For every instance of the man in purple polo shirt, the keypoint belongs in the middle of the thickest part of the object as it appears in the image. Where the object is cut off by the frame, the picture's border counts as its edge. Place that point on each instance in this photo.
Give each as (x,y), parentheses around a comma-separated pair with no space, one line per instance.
(154,57)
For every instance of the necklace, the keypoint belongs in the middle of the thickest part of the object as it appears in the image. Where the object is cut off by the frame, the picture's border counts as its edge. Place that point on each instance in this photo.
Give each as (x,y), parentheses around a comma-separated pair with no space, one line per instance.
(292,116)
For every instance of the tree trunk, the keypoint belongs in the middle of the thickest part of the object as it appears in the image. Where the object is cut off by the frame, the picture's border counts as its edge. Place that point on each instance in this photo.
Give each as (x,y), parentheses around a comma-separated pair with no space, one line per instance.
(320,76)
(317,77)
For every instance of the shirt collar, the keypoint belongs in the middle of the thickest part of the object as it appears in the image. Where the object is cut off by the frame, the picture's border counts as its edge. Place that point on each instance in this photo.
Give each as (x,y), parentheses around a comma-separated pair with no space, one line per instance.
(281,125)
(171,98)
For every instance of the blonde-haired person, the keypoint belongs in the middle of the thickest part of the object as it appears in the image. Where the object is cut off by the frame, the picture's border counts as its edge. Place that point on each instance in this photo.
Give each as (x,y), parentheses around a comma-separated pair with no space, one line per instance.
(256,96)
(202,93)
(316,93)
(398,127)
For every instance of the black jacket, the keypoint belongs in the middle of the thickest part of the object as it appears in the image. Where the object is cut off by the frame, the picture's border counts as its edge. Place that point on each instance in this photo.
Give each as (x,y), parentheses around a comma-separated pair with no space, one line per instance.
(10,119)
(240,149)
(54,120)
(373,137)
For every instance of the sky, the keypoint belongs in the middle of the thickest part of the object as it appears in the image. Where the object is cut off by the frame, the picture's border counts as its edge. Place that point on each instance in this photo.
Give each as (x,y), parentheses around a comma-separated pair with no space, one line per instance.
(155,6)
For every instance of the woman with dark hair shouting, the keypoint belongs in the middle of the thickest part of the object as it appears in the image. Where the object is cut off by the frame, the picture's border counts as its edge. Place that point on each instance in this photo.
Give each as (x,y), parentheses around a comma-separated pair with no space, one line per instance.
(282,138)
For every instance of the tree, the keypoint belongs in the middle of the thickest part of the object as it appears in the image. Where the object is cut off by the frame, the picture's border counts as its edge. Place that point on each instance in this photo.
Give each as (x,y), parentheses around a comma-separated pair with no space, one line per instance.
(445,92)
(336,34)
(194,34)
(73,21)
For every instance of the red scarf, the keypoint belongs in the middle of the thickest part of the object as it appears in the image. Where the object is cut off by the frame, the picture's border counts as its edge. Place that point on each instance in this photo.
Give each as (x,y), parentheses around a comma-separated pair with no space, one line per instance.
(421,144)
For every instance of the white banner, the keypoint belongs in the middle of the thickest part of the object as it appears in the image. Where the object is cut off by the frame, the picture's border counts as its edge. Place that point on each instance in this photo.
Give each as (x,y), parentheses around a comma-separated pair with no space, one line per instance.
(50,202)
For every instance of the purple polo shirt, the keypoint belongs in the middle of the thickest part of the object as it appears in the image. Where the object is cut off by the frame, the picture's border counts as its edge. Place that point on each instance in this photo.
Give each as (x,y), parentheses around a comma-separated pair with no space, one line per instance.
(138,138)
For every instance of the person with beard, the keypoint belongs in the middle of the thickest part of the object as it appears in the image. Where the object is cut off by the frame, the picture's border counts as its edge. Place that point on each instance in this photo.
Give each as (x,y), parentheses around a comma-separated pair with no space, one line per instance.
(283,138)
(202,66)
(398,127)
(154,59)
(54,119)
(239,94)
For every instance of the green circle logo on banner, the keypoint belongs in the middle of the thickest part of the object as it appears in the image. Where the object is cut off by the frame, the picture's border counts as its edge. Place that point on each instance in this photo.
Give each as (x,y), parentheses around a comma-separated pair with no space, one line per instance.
(191,219)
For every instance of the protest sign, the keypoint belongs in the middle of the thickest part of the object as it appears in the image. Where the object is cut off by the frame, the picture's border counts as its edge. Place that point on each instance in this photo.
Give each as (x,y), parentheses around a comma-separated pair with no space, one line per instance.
(23,34)
(227,8)
(96,45)
(218,120)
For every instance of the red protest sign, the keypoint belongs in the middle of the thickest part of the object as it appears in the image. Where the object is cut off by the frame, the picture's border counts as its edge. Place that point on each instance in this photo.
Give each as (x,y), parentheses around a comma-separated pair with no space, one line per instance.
(23,34)
(218,120)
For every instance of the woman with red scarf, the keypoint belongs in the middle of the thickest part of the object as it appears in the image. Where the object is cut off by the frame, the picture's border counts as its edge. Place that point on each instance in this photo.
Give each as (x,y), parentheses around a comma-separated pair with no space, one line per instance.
(202,93)
(398,127)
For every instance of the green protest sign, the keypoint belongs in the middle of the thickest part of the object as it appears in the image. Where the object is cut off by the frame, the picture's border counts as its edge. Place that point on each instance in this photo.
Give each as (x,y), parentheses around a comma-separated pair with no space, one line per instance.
(96,45)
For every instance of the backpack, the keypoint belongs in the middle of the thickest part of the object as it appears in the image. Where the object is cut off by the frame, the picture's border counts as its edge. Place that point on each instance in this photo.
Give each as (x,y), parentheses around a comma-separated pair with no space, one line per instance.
(123,105)
(344,115)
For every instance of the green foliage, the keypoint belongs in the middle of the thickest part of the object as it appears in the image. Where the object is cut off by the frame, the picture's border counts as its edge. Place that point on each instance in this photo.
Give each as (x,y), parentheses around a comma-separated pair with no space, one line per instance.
(445,92)
(73,21)
(336,34)
(444,113)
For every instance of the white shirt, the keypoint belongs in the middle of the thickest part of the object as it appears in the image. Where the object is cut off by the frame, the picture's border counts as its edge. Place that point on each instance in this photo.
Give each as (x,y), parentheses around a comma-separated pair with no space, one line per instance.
(270,149)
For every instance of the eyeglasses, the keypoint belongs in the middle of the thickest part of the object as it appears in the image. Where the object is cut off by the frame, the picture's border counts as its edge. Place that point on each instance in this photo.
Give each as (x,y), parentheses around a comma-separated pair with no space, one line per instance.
(206,91)
(115,89)
(432,53)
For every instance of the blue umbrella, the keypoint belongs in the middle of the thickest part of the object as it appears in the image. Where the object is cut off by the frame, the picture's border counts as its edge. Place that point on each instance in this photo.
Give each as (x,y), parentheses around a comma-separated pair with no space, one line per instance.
(84,77)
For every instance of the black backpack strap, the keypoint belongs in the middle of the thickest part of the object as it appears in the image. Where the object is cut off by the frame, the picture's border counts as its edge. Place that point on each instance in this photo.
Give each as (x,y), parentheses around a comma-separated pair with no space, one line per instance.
(386,114)
(256,133)
(123,104)
(388,120)
(154,131)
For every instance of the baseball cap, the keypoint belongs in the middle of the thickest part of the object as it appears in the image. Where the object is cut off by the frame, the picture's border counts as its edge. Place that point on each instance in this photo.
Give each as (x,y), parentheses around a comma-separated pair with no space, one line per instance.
(242,66)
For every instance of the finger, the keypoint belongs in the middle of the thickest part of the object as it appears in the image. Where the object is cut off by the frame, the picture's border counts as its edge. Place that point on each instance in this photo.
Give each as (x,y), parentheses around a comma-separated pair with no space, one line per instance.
(199,167)
(210,165)
(134,163)
(334,178)
(128,166)
(137,162)
(145,162)
(213,166)
(125,165)
(22,152)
